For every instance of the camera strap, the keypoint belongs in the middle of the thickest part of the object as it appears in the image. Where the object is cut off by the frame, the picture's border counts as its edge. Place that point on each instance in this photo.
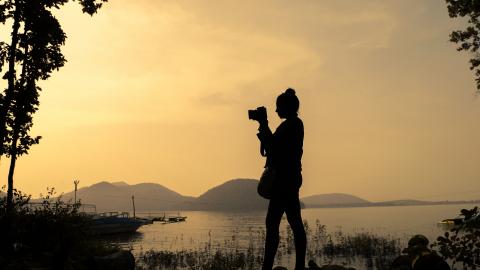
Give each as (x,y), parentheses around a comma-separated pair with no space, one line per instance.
(262,150)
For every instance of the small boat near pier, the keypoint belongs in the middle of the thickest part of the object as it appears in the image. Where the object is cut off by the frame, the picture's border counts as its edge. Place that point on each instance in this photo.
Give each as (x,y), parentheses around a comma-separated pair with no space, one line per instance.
(467,217)
(156,217)
(115,222)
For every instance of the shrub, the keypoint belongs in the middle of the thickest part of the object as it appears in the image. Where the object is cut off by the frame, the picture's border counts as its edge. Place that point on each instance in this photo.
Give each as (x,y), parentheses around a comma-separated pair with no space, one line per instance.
(47,233)
(462,243)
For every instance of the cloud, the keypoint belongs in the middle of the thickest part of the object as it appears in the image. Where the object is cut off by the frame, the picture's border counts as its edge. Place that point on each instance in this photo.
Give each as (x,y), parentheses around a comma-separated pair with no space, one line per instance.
(215,99)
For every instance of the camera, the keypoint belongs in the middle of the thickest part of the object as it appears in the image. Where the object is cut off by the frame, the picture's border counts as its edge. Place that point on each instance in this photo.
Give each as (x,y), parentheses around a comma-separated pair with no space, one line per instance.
(259,114)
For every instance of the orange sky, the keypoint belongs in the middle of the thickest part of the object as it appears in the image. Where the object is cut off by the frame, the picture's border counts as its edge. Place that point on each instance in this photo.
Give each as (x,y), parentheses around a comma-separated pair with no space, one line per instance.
(157,91)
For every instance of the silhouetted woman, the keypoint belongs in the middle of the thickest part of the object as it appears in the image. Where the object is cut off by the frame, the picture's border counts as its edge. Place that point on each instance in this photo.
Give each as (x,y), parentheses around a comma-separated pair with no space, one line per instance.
(284,150)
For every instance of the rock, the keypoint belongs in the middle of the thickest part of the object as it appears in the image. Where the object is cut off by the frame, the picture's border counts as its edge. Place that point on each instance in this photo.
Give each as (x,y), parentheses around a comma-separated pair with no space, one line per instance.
(313,266)
(335,267)
(121,260)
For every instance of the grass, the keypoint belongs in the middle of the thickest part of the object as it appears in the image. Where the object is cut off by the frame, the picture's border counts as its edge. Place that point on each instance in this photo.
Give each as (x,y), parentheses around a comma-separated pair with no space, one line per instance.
(361,249)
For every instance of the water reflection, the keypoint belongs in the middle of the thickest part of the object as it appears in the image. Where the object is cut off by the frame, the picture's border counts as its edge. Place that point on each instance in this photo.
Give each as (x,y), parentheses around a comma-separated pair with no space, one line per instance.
(124,239)
(224,230)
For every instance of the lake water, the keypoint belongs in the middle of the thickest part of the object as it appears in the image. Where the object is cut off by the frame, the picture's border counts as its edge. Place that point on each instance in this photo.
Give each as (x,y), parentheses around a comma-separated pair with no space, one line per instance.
(221,229)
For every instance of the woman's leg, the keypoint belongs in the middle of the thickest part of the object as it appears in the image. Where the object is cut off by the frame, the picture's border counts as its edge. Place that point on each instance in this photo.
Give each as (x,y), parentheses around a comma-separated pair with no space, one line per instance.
(272,222)
(294,218)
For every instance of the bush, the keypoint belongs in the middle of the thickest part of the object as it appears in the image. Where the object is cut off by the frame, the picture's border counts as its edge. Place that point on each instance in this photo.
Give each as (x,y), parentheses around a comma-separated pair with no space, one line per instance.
(48,233)
(462,243)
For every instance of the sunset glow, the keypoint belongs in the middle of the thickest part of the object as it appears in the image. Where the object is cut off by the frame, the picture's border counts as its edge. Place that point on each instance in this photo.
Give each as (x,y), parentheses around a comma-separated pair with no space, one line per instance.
(158,91)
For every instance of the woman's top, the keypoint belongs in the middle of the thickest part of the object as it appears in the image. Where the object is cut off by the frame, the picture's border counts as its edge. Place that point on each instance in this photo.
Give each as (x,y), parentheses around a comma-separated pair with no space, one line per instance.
(284,150)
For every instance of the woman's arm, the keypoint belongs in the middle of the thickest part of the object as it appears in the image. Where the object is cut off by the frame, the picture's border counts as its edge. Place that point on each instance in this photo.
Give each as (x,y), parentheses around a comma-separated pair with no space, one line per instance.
(265,136)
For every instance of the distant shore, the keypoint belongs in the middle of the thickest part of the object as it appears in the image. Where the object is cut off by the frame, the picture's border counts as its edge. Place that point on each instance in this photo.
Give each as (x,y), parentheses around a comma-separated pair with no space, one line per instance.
(393,203)
(233,195)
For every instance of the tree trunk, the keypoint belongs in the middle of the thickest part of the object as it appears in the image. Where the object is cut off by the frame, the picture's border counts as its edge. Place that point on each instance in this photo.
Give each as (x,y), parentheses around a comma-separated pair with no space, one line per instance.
(11,78)
(13,160)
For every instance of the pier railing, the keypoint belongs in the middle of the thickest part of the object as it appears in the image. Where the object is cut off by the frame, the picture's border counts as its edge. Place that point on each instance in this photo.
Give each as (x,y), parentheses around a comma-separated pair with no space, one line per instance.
(83,208)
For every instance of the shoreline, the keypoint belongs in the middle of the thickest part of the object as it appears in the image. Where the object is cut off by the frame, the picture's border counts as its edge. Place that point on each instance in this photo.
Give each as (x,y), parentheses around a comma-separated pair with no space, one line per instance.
(390,204)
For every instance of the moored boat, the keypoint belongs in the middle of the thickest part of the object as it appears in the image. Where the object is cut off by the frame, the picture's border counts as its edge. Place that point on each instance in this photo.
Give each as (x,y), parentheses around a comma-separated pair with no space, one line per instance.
(176,219)
(115,222)
(166,218)
(467,217)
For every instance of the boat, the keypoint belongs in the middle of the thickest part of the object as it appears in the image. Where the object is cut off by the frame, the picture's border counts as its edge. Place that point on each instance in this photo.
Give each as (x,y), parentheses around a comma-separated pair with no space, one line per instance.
(467,217)
(167,219)
(452,222)
(176,219)
(172,219)
(115,222)
(145,220)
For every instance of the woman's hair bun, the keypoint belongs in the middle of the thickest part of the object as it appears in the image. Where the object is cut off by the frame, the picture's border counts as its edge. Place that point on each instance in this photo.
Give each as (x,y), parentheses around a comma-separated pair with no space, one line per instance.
(288,101)
(290,91)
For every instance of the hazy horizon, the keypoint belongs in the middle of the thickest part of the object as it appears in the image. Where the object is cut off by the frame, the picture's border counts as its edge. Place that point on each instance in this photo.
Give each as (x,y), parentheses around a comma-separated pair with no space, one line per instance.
(115,183)
(159,92)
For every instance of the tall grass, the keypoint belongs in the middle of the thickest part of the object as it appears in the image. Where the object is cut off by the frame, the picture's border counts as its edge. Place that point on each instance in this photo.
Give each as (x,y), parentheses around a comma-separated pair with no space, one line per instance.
(360,249)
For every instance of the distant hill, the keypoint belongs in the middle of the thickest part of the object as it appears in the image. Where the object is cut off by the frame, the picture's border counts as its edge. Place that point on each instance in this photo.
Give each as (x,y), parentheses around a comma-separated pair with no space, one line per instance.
(334,200)
(403,202)
(118,197)
(120,184)
(237,194)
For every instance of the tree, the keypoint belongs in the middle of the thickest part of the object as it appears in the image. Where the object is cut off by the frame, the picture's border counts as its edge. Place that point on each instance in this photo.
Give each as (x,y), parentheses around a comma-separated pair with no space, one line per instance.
(33,53)
(468,39)
(462,244)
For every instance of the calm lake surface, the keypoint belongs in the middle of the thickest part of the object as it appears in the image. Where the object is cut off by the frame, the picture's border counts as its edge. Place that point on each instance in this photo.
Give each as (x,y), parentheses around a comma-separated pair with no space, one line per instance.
(221,229)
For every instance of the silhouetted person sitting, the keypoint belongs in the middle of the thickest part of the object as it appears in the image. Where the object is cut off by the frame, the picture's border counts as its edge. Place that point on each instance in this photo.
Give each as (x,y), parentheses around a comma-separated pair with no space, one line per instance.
(284,150)
(417,256)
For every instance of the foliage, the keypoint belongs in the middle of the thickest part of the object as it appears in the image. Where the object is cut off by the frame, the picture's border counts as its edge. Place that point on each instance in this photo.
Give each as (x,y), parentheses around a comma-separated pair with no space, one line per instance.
(462,243)
(48,233)
(32,54)
(468,38)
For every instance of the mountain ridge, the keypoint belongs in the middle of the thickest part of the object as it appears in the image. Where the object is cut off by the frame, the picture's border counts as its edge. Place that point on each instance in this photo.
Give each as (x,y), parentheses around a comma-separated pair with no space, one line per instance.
(236,194)
(119,197)
(333,199)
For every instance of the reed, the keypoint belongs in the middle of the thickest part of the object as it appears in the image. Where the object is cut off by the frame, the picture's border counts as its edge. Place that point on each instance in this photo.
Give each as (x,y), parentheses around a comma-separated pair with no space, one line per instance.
(361,249)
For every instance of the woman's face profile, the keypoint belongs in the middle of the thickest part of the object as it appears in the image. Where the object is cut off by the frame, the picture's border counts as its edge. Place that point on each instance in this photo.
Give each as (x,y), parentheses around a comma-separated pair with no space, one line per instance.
(280,111)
